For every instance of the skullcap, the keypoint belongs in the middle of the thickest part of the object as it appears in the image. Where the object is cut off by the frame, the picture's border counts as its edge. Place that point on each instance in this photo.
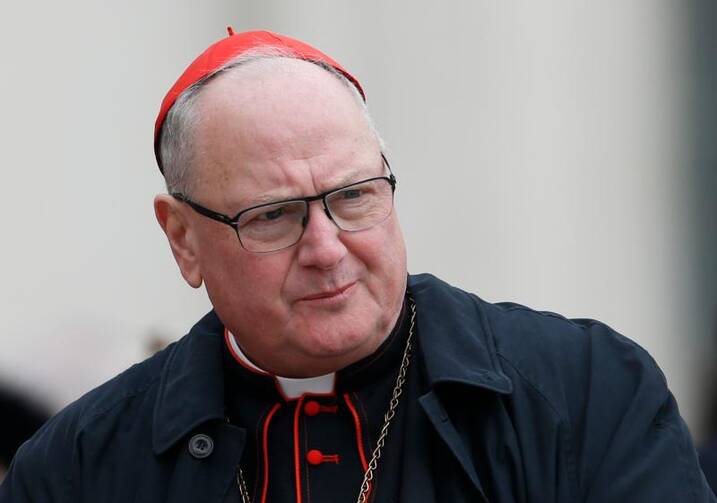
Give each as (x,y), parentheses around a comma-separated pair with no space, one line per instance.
(226,49)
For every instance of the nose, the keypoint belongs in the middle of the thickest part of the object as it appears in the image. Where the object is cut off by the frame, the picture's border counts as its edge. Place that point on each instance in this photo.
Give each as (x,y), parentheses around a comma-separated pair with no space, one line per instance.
(320,246)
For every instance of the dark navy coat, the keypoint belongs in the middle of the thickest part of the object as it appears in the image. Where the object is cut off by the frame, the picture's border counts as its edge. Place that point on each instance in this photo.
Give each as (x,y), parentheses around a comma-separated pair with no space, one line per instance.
(519,406)
(708,462)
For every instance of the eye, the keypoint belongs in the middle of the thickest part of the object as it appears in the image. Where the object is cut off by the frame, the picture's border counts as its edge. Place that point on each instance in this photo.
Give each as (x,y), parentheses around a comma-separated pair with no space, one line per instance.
(351,193)
(273,214)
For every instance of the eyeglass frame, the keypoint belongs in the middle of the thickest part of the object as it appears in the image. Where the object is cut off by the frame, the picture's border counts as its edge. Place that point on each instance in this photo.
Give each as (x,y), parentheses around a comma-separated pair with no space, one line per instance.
(234,222)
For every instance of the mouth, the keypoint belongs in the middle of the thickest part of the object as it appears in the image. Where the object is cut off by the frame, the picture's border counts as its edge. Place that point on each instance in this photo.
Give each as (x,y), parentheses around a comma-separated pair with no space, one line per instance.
(328,294)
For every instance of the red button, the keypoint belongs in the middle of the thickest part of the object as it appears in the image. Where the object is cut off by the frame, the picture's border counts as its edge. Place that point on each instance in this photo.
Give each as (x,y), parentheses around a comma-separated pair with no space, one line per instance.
(314,457)
(312,408)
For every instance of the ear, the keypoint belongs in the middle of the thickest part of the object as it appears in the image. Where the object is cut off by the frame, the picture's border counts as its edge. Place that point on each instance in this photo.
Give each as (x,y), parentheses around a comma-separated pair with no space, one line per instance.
(175,225)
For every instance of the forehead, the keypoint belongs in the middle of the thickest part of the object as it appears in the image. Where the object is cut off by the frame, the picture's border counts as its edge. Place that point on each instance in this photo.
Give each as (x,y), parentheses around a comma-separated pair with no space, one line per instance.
(277,127)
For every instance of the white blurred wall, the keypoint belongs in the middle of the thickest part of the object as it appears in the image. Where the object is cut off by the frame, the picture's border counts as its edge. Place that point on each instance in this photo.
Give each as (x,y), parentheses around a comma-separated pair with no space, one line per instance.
(540,150)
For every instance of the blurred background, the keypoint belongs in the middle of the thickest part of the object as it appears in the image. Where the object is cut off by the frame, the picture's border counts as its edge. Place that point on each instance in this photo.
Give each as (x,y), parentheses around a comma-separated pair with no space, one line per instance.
(559,154)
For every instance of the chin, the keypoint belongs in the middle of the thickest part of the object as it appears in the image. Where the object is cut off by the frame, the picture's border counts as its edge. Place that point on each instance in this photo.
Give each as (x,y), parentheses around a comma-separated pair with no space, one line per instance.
(333,343)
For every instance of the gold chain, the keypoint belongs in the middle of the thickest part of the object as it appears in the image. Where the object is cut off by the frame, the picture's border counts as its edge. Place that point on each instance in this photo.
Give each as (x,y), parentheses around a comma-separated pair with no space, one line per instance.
(390,413)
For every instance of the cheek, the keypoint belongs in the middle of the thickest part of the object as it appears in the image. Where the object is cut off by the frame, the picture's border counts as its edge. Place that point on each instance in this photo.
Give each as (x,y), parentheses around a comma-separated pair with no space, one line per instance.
(243,281)
(220,255)
(383,253)
(390,245)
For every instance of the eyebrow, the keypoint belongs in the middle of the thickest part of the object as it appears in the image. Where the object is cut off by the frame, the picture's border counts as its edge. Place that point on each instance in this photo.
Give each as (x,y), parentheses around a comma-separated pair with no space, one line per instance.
(277,197)
(352,177)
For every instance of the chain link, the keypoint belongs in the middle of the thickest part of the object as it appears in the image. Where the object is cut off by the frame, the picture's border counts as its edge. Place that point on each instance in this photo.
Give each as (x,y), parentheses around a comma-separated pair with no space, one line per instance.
(243,492)
(392,405)
(388,416)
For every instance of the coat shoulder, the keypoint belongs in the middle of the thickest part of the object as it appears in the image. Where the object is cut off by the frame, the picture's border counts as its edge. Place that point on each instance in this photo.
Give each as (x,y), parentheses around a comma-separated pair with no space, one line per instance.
(563,358)
(557,357)
(132,383)
(549,347)
(44,466)
(610,398)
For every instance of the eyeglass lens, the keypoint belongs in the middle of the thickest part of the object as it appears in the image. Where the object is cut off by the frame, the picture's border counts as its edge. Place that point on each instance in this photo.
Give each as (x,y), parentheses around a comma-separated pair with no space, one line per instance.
(353,208)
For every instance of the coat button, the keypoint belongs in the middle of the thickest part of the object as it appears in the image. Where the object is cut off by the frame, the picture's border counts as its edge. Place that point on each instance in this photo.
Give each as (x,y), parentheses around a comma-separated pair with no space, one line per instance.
(314,457)
(201,446)
(312,408)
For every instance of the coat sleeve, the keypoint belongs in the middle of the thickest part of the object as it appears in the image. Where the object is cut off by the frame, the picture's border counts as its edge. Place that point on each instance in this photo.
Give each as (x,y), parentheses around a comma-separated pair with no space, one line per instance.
(631,442)
(42,469)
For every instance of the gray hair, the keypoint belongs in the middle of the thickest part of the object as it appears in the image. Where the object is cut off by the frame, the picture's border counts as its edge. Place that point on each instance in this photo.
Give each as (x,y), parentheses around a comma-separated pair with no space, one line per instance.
(176,147)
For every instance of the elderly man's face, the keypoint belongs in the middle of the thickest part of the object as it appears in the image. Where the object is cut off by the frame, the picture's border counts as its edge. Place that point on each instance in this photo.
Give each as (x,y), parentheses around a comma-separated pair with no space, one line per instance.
(268,135)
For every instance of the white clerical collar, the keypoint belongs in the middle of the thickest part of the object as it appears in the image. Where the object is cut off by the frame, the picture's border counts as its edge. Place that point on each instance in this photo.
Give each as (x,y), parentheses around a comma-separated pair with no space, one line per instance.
(291,388)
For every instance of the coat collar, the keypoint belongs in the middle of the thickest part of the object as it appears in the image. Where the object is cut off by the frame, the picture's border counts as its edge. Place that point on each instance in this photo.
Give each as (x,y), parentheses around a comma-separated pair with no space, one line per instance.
(455,337)
(452,332)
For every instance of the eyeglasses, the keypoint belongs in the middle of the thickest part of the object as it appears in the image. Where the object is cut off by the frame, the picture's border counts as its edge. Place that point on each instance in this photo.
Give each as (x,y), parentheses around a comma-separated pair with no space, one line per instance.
(274,226)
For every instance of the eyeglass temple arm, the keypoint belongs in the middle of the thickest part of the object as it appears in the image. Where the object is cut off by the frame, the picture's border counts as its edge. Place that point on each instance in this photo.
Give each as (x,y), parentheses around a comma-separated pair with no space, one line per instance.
(219,217)
(392,177)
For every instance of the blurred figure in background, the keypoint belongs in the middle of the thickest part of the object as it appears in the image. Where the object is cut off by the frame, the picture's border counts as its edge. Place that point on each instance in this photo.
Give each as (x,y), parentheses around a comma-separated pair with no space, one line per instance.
(20,417)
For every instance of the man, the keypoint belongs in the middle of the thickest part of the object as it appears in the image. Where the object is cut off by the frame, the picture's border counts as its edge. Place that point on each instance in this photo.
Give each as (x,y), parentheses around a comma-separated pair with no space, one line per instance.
(325,373)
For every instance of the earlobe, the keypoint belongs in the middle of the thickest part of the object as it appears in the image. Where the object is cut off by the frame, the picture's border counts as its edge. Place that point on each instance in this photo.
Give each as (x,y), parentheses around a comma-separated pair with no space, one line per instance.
(179,234)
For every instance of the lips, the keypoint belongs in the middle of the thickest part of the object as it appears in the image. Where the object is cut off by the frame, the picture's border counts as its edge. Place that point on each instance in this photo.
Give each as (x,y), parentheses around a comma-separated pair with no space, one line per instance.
(328,293)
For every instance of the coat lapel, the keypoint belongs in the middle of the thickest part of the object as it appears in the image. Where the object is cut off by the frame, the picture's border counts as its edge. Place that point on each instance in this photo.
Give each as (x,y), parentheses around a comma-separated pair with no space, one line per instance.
(436,413)
(191,389)
(191,402)
(457,350)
